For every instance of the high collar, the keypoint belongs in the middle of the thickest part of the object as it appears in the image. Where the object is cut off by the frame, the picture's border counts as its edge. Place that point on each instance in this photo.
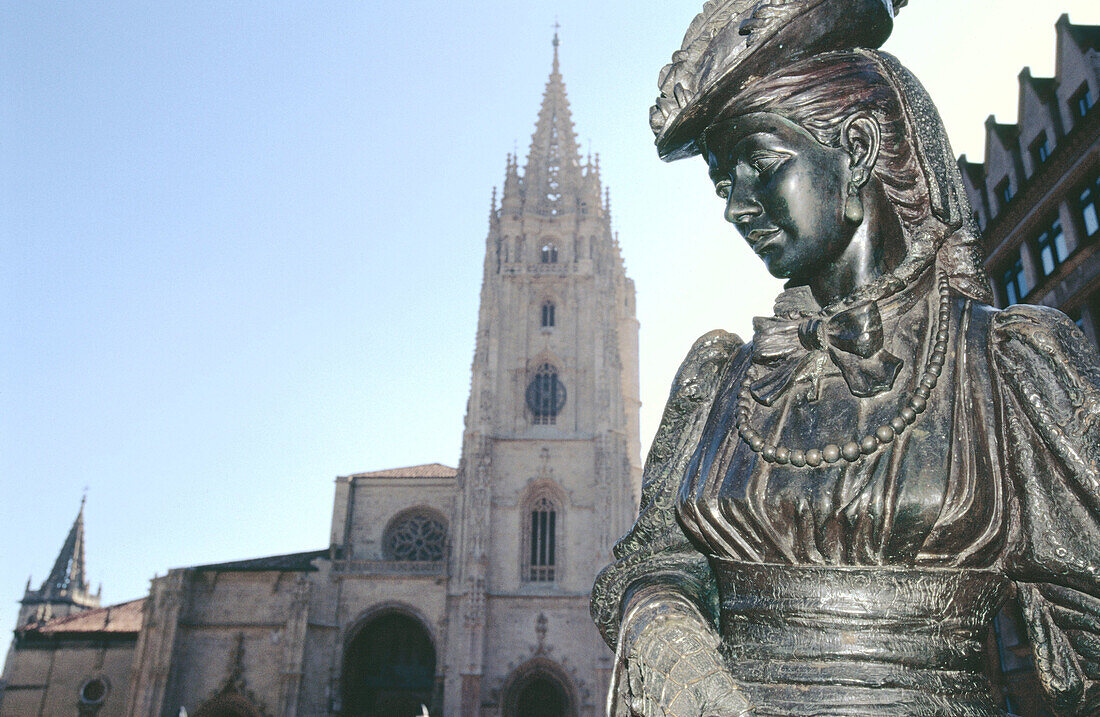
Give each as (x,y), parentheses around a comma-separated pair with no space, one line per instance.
(797,302)
(801,341)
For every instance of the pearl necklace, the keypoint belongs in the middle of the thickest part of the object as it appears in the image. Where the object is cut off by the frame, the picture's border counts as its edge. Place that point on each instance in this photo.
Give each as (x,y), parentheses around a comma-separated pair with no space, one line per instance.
(853,450)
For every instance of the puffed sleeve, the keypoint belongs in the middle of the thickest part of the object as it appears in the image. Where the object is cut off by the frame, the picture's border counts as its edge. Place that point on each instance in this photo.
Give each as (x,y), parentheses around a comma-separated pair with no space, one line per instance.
(655,551)
(1049,413)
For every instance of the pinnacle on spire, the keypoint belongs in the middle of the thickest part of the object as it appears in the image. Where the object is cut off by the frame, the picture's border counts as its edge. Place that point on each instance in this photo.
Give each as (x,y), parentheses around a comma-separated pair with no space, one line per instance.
(68,573)
(555,42)
(510,192)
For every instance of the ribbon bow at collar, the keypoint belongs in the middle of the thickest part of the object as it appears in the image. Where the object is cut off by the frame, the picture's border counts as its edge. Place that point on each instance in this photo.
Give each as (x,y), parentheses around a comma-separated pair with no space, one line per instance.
(798,350)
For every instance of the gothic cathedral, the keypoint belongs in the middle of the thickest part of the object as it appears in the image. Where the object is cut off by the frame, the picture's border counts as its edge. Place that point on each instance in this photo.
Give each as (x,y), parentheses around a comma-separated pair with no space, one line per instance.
(446,592)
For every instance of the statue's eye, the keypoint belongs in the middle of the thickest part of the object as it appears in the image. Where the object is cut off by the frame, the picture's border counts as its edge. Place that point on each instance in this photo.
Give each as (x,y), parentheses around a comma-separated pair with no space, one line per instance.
(722,188)
(764,162)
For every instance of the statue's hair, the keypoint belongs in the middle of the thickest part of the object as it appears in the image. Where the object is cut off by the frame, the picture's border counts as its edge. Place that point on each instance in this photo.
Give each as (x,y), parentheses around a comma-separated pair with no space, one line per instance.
(820,93)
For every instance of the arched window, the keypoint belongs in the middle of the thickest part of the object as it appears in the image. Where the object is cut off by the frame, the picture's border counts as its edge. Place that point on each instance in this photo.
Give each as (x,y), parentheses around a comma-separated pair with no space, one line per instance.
(545,395)
(540,554)
(548,315)
(416,535)
(389,669)
(549,253)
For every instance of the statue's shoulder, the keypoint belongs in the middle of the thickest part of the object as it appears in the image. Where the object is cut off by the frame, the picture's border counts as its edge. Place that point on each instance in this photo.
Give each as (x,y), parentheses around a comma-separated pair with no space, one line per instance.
(694,388)
(1022,320)
(1041,331)
(709,355)
(1042,351)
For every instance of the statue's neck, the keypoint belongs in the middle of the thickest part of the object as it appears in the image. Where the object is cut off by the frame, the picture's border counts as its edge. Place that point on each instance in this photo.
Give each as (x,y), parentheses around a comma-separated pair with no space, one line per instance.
(877,248)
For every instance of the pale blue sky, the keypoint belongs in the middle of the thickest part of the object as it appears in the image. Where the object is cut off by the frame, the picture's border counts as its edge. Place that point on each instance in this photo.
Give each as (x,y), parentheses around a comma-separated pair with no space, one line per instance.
(242,243)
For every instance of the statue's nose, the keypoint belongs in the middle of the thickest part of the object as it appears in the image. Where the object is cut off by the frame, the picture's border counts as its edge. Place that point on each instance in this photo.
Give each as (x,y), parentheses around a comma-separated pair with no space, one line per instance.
(741,207)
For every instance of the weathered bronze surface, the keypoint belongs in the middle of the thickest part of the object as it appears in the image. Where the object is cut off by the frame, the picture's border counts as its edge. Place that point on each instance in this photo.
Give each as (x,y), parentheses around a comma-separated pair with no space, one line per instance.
(833,513)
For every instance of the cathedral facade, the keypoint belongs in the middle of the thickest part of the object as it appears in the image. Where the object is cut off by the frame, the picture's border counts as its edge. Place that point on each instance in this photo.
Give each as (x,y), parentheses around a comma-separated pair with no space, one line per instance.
(443,591)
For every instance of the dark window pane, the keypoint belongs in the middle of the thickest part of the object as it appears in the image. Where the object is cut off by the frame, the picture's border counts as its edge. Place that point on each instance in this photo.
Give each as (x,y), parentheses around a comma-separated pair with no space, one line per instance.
(534,538)
(1081,102)
(550,539)
(1051,246)
(1087,206)
(1092,222)
(542,538)
(1060,249)
(1013,284)
(1039,149)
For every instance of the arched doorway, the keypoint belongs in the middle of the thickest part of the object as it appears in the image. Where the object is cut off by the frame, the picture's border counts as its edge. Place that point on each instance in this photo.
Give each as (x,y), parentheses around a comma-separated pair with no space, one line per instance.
(389,668)
(228,704)
(542,697)
(538,689)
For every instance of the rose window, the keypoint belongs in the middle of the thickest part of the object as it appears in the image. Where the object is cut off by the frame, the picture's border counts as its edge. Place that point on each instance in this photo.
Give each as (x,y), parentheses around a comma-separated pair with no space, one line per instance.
(420,537)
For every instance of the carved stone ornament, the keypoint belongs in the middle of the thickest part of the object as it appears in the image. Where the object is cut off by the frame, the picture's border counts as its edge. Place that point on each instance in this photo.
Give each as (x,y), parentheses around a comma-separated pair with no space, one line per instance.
(234,696)
(833,513)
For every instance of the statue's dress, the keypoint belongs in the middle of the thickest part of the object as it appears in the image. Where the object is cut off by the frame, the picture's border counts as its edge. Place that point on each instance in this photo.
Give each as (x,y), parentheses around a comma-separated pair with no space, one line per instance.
(867,588)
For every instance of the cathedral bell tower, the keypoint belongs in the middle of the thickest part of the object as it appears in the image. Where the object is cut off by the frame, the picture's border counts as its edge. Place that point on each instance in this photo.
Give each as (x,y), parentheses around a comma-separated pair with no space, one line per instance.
(550,467)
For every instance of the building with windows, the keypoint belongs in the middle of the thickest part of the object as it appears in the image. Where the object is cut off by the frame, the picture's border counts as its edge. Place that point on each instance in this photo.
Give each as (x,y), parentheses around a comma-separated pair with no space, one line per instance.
(460,591)
(1037,200)
(1037,195)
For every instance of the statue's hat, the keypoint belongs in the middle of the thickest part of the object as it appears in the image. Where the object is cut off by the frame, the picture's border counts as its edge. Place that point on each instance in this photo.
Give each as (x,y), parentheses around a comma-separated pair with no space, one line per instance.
(732,42)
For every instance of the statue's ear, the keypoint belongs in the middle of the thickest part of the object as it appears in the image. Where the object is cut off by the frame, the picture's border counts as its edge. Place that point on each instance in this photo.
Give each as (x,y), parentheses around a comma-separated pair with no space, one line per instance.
(861,137)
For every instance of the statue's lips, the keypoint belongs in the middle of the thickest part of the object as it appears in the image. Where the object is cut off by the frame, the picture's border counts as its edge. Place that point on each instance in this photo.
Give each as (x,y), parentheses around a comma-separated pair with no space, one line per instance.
(761,240)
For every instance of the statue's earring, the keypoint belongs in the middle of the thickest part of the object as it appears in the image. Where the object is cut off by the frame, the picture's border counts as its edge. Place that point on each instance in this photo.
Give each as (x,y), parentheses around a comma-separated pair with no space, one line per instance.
(853,205)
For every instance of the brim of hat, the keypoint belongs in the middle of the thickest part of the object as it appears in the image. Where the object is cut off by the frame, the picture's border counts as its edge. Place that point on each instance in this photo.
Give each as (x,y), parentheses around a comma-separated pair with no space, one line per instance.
(826,26)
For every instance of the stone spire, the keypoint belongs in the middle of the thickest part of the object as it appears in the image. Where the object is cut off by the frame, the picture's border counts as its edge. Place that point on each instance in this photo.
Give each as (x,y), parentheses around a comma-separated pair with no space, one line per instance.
(68,570)
(552,176)
(65,590)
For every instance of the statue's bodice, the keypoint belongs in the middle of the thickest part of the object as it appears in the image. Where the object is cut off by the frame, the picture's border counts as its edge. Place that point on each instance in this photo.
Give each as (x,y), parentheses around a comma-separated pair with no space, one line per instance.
(932,497)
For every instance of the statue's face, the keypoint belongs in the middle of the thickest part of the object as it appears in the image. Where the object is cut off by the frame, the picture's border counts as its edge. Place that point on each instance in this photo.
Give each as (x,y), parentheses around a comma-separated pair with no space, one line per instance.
(784,191)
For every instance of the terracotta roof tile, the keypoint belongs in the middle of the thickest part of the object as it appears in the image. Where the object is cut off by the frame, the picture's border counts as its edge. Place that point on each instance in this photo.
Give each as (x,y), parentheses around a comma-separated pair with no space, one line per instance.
(124,617)
(428,470)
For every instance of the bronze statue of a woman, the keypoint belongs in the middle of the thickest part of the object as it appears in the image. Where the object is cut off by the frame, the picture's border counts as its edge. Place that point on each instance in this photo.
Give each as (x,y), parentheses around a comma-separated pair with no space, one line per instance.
(833,513)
